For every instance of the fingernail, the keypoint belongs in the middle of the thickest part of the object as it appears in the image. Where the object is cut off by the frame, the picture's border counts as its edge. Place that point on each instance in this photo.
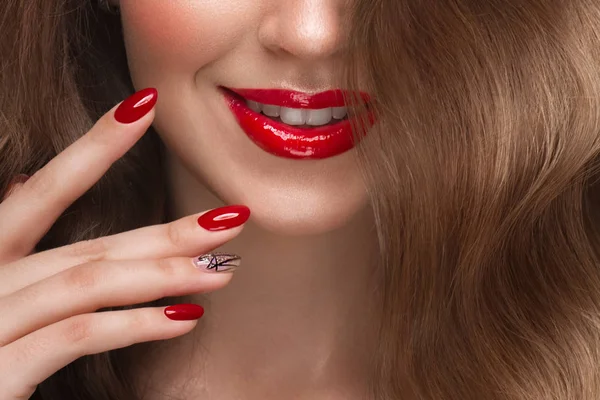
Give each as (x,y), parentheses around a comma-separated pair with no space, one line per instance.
(184,312)
(136,106)
(16,180)
(224,218)
(21,178)
(218,262)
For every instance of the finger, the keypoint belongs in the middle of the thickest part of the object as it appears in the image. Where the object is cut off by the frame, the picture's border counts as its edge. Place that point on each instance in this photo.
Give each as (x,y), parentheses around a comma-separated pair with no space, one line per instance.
(92,286)
(27,215)
(15,185)
(12,189)
(33,358)
(185,237)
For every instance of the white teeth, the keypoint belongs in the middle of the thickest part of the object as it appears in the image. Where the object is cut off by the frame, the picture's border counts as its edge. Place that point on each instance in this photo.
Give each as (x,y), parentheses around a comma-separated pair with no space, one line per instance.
(271,111)
(297,116)
(254,106)
(339,112)
(318,117)
(293,116)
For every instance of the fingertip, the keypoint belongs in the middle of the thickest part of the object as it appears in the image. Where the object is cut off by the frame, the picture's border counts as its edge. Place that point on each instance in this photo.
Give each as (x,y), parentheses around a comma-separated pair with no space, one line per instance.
(172,328)
(136,106)
(15,185)
(180,328)
(224,218)
(184,312)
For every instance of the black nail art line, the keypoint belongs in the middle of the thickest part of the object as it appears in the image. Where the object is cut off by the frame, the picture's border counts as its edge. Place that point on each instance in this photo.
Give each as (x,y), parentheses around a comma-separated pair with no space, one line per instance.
(219,262)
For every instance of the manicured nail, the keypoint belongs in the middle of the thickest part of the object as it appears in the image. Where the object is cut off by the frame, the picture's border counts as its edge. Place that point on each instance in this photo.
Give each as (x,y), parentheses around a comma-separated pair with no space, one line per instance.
(184,312)
(16,180)
(224,218)
(21,178)
(218,262)
(136,106)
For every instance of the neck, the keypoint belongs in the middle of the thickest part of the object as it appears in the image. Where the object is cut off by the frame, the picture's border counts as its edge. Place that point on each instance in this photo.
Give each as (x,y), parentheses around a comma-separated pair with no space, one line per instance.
(297,320)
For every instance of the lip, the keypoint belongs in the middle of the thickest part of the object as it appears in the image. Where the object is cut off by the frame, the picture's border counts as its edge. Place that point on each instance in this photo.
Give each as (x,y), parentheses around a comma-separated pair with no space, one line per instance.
(293,99)
(288,141)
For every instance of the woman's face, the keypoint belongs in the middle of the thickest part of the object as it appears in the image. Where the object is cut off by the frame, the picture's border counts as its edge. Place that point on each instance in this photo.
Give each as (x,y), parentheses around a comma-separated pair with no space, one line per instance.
(297,175)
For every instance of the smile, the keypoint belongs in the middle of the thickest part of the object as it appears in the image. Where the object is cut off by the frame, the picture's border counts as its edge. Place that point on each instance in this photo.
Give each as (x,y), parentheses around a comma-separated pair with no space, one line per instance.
(293,124)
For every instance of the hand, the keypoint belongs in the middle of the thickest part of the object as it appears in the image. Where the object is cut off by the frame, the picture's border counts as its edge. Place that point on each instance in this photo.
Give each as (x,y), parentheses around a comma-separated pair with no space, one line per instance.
(48,299)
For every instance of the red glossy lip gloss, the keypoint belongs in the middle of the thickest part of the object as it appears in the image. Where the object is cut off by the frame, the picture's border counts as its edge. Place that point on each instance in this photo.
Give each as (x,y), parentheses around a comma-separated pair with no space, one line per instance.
(289,141)
(293,99)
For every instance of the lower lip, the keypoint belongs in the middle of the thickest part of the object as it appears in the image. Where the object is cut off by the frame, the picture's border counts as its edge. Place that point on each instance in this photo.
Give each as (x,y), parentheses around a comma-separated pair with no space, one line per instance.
(290,142)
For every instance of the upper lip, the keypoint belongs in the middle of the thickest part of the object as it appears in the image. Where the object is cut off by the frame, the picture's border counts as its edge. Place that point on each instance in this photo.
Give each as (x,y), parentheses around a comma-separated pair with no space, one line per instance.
(296,99)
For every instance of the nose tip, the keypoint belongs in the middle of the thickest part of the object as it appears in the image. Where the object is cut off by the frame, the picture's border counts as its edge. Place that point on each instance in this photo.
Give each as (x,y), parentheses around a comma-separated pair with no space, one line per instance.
(308,29)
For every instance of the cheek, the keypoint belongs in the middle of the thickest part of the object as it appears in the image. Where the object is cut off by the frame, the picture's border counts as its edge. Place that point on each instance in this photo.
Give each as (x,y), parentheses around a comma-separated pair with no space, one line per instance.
(181,34)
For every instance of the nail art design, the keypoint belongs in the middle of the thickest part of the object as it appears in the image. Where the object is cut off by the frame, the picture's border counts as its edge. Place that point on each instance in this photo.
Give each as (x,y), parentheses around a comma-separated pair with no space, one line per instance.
(218,262)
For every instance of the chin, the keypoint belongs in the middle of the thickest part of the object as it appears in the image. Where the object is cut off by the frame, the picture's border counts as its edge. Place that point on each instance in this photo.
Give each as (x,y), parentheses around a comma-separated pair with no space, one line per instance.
(307,186)
(286,197)
(304,212)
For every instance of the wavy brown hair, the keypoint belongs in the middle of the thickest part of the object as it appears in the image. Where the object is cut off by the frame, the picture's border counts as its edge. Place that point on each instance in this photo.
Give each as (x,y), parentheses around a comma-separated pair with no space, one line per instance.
(483,176)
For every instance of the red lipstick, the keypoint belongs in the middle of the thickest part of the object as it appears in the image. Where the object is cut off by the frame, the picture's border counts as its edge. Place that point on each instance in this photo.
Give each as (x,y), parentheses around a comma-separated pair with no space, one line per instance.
(292,99)
(289,141)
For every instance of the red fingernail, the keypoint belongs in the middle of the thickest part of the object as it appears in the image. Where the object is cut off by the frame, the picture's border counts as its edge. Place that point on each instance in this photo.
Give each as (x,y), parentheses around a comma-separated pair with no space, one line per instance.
(224,218)
(21,178)
(16,180)
(136,106)
(184,312)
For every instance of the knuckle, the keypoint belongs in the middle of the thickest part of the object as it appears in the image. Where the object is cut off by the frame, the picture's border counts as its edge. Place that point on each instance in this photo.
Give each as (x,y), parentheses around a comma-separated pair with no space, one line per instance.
(169,268)
(78,330)
(88,250)
(83,278)
(176,235)
(139,321)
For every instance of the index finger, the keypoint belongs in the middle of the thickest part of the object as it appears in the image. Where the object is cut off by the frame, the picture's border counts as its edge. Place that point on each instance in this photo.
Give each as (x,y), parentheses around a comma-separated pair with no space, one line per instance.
(30,212)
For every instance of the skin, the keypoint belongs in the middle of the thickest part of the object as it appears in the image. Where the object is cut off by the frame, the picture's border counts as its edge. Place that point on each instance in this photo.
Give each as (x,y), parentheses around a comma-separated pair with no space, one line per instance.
(48,299)
(288,326)
(197,45)
(298,321)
